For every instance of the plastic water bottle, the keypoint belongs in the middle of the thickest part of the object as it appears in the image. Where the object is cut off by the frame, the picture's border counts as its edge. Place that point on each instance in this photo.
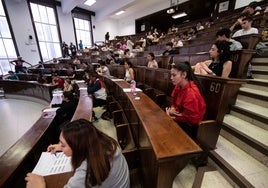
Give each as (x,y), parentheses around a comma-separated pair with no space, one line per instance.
(133,87)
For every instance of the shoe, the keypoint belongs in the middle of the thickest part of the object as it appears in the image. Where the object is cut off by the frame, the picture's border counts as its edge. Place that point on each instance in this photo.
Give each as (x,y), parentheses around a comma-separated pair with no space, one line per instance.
(250,77)
(94,118)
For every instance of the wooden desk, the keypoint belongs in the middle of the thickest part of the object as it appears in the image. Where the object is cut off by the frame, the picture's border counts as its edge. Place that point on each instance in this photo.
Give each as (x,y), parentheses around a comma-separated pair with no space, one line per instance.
(24,154)
(18,160)
(168,148)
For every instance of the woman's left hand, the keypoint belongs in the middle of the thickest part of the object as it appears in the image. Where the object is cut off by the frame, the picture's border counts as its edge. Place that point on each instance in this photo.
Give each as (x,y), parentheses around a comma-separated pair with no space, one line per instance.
(35,181)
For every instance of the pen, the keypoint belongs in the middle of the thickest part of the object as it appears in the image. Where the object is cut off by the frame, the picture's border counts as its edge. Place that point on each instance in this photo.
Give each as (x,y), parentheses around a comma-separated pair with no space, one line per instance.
(55,153)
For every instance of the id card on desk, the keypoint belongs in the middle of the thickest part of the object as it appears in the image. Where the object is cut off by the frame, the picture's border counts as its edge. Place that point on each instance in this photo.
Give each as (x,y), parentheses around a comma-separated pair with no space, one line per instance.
(50,164)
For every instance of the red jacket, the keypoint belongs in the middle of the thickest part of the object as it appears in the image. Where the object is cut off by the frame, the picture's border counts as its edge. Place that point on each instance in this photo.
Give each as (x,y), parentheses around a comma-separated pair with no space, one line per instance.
(189,102)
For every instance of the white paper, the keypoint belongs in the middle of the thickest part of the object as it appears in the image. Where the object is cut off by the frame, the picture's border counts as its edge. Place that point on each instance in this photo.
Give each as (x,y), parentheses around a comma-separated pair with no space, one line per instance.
(82,88)
(117,79)
(50,109)
(127,90)
(50,164)
(79,81)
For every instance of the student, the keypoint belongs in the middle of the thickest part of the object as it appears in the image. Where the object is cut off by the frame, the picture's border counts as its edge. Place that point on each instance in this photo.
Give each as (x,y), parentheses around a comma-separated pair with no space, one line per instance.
(246,28)
(96,89)
(96,158)
(66,109)
(19,65)
(67,85)
(129,74)
(103,69)
(188,106)
(225,34)
(12,76)
(220,64)
(152,63)
(169,49)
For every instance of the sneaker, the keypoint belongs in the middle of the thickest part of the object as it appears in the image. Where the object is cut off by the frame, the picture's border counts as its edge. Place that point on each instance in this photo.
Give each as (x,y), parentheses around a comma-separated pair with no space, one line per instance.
(250,77)
(94,118)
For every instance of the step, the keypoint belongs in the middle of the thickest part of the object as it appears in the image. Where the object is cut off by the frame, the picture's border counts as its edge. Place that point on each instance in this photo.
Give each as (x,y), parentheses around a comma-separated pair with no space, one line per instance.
(210,177)
(247,136)
(252,113)
(259,84)
(260,74)
(259,59)
(254,96)
(245,170)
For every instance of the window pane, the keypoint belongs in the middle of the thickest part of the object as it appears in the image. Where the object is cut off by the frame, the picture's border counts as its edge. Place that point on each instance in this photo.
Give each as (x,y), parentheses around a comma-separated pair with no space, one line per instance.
(43,14)
(5,66)
(4,29)
(39,30)
(47,32)
(51,16)
(2,52)
(11,52)
(54,33)
(2,12)
(35,12)
(43,50)
(57,49)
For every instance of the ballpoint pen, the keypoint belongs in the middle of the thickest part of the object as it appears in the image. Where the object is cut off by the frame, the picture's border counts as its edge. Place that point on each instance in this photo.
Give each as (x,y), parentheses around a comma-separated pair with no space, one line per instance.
(55,153)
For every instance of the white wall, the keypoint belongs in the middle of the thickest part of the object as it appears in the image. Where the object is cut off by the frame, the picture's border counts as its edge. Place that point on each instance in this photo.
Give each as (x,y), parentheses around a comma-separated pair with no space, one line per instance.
(102,27)
(66,26)
(22,28)
(242,3)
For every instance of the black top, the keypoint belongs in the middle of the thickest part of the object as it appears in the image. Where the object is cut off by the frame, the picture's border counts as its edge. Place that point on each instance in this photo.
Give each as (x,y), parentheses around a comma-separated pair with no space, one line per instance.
(216,67)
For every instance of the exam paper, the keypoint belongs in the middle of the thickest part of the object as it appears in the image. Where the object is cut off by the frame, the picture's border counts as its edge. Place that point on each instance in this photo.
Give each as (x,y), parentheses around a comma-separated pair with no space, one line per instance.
(50,164)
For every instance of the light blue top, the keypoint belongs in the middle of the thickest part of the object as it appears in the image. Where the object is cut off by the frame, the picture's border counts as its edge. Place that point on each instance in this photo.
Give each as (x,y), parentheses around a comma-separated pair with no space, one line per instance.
(118,177)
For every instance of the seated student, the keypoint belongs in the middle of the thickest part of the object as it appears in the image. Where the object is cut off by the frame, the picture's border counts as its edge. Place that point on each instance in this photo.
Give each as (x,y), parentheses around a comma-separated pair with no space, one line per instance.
(152,63)
(199,26)
(129,74)
(12,76)
(169,49)
(177,41)
(220,64)
(96,89)
(188,106)
(67,85)
(66,109)
(103,69)
(246,28)
(224,34)
(56,80)
(97,160)
(19,65)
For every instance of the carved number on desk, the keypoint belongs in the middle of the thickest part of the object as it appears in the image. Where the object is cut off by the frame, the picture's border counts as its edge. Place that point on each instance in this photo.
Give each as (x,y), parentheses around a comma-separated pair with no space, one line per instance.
(215,87)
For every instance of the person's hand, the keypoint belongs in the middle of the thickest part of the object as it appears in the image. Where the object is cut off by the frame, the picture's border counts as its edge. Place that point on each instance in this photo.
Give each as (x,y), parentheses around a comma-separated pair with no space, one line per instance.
(35,181)
(172,112)
(53,148)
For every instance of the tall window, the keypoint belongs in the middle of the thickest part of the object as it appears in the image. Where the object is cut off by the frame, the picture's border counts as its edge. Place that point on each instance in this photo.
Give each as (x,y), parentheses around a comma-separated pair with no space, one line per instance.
(83,31)
(7,52)
(47,32)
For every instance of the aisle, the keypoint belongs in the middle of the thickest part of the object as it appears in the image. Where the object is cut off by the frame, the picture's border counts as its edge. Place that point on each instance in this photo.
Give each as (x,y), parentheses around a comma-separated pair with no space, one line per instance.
(16,117)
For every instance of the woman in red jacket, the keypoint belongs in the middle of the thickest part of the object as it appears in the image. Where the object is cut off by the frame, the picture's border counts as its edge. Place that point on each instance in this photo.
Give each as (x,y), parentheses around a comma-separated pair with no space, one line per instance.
(188,106)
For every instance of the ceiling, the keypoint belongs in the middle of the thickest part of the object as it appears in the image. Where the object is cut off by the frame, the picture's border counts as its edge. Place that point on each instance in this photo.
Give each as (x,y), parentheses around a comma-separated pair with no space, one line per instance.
(107,8)
(196,9)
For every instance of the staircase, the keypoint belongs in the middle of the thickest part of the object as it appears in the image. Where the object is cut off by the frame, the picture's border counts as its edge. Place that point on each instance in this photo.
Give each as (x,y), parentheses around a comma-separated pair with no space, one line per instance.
(241,155)
(242,148)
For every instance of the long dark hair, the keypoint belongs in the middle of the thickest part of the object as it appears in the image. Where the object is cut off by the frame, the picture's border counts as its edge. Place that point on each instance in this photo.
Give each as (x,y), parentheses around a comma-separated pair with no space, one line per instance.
(90,144)
(223,50)
(186,67)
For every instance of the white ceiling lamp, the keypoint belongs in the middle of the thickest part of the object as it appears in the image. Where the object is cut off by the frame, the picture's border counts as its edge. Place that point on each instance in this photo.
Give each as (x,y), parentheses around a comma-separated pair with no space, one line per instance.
(120,12)
(179,15)
(90,2)
(170,11)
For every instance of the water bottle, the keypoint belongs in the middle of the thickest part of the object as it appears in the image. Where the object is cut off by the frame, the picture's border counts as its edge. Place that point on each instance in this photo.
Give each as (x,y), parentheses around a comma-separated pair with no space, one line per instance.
(133,87)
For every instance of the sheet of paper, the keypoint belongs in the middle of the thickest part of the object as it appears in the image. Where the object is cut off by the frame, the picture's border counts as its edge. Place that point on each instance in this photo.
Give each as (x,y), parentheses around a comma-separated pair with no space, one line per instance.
(82,88)
(50,164)
(117,79)
(127,90)
(50,109)
(79,81)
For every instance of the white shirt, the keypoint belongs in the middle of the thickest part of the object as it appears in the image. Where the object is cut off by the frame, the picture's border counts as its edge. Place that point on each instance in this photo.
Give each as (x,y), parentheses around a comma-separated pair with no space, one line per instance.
(242,32)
